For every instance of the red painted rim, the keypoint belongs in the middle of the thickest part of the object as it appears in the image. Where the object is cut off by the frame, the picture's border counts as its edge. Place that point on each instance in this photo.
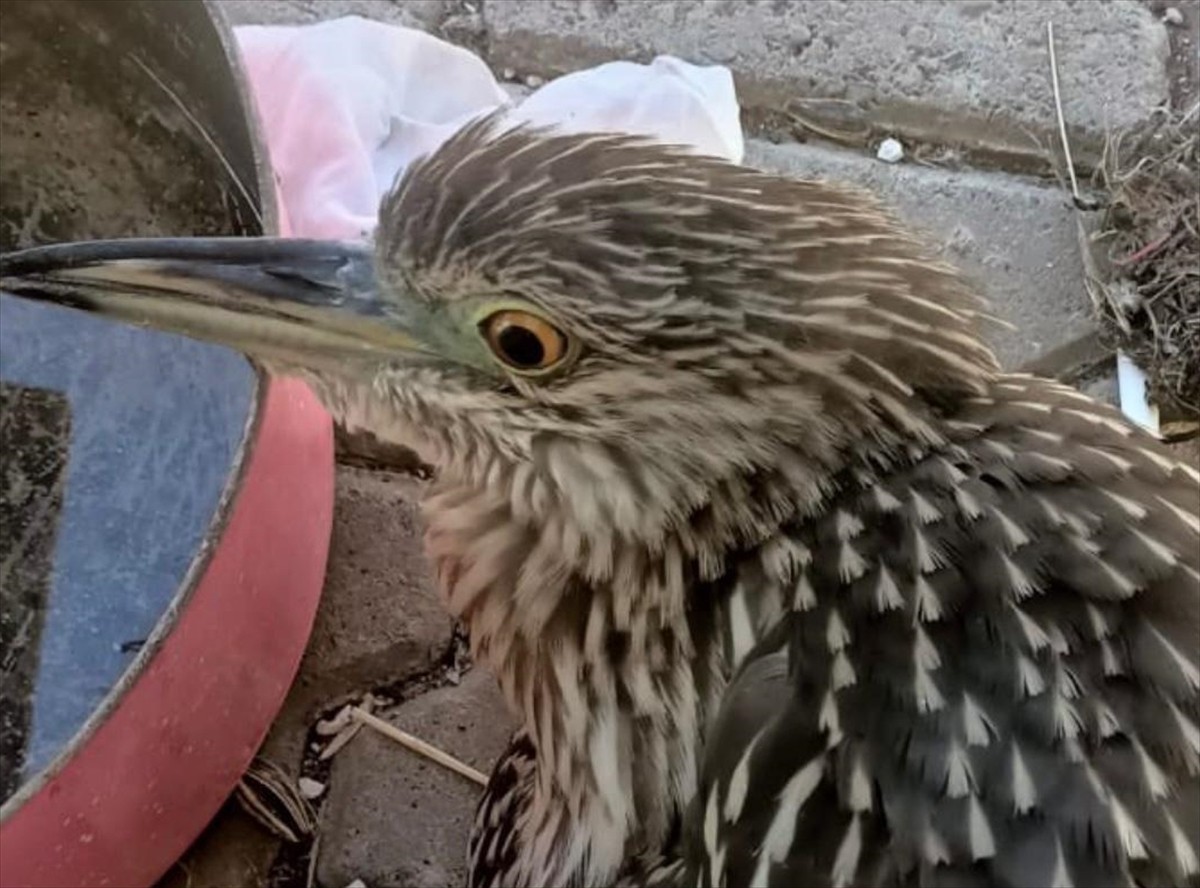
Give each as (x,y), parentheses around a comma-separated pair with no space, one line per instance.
(175,743)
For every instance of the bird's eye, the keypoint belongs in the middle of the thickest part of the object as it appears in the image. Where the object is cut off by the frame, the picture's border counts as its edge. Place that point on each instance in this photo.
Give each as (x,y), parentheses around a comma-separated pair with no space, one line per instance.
(524,341)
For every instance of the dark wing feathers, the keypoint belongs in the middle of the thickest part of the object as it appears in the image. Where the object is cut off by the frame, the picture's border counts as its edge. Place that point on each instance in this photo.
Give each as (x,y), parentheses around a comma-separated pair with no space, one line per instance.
(493,844)
(991,679)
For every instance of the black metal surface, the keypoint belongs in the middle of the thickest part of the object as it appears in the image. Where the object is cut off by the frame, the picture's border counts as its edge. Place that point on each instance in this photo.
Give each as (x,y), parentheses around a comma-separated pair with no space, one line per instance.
(35,429)
(118,118)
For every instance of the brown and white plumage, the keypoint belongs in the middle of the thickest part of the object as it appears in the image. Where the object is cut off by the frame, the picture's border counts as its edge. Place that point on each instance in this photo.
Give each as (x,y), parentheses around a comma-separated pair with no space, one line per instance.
(785,580)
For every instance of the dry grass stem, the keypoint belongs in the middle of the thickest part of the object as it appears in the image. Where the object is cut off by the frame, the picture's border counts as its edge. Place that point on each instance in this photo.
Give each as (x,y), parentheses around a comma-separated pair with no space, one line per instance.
(1150,236)
(1062,126)
(269,794)
(1142,264)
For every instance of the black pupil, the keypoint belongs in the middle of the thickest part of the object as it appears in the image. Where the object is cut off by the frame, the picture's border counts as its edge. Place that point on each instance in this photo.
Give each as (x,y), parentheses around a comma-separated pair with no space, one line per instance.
(521,346)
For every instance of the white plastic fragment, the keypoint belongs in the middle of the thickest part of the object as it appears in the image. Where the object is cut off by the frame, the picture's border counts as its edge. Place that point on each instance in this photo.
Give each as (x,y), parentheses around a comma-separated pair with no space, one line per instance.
(309,788)
(669,99)
(347,104)
(890,151)
(328,727)
(1135,402)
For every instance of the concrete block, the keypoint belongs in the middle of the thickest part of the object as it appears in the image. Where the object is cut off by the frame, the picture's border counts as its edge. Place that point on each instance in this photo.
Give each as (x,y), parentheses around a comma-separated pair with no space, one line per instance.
(393,818)
(380,618)
(974,73)
(422,14)
(235,850)
(452,20)
(1014,237)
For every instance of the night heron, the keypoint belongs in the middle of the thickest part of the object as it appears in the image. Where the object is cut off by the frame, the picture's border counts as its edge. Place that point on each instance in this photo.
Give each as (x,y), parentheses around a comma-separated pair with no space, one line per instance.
(786,581)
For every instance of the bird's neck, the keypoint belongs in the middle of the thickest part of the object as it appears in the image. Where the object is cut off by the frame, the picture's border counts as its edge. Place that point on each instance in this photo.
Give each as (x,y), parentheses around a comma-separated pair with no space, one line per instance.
(615,704)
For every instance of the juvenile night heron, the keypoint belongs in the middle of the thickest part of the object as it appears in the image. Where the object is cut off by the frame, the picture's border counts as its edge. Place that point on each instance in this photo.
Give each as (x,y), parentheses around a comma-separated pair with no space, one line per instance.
(786,581)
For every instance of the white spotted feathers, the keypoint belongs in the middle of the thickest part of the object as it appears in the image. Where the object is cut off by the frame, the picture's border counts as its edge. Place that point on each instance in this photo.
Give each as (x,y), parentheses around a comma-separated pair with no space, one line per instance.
(983,693)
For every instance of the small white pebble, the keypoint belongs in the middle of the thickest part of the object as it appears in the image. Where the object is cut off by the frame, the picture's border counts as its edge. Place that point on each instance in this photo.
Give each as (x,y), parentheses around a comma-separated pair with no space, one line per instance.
(1172,16)
(508,74)
(357,883)
(890,151)
(309,788)
(533,81)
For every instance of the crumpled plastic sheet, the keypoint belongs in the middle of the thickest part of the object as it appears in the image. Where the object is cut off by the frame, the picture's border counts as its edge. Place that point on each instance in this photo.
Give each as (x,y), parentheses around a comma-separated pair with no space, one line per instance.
(347,104)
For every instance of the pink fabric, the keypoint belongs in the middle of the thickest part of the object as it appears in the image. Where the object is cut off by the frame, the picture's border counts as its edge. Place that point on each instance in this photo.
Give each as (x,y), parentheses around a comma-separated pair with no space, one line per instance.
(342,111)
(347,104)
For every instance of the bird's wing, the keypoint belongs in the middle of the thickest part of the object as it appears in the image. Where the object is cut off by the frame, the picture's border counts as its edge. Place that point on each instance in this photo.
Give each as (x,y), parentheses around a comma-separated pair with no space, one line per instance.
(990,676)
(492,848)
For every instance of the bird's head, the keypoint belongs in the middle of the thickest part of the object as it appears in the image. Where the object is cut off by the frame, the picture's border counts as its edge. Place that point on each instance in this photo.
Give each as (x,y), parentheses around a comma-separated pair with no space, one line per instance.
(625,326)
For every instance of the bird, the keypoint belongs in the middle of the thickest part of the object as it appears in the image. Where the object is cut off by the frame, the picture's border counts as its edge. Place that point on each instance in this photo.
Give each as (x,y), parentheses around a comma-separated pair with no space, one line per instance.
(785,580)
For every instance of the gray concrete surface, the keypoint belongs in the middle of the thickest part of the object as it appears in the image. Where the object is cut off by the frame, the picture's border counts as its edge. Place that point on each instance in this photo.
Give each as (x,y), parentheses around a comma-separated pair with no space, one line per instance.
(234,852)
(968,72)
(380,620)
(424,14)
(454,20)
(393,818)
(973,73)
(1014,237)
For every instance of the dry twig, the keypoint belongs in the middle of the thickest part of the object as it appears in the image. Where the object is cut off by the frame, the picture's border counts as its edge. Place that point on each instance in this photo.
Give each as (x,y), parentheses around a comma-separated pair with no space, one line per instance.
(343,728)
(418,745)
(270,796)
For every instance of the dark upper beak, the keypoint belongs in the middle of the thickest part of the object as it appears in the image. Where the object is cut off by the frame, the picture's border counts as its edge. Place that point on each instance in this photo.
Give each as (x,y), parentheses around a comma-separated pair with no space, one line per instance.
(301,301)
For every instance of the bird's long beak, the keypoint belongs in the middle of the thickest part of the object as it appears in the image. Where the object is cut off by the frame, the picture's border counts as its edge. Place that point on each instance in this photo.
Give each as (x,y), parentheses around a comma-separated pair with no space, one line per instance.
(302,301)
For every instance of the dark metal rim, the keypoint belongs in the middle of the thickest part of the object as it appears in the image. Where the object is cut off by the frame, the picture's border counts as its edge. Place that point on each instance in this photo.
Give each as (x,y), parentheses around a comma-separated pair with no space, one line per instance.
(221,514)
